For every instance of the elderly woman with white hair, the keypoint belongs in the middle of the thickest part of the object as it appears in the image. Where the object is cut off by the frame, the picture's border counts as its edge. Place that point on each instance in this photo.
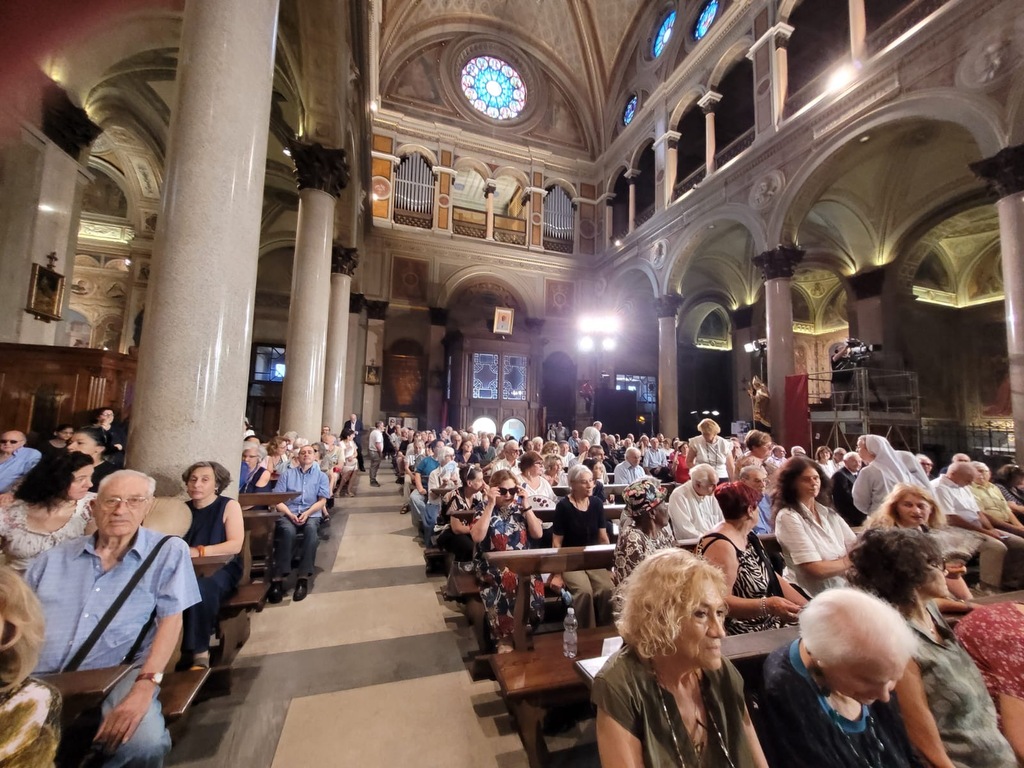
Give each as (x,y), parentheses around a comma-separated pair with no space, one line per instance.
(709,447)
(833,686)
(668,697)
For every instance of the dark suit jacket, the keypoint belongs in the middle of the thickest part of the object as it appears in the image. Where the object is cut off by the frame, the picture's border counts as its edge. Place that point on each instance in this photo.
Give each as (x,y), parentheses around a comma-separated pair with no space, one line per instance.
(842,497)
(357,427)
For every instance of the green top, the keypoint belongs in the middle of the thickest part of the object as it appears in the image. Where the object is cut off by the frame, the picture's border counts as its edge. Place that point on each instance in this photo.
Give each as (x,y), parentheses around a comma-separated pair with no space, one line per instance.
(627,690)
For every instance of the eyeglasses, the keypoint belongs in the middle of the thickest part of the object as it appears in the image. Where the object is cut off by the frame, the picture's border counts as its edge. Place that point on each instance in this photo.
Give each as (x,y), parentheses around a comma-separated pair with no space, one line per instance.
(507,491)
(12,442)
(134,503)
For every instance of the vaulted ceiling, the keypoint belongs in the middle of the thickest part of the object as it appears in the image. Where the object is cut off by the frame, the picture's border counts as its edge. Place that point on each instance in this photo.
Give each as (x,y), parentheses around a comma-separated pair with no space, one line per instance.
(570,49)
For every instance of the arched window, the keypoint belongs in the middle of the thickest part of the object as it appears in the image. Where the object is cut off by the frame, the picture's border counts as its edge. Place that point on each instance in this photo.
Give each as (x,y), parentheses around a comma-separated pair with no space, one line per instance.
(705,19)
(494,87)
(663,35)
(414,192)
(630,110)
(558,221)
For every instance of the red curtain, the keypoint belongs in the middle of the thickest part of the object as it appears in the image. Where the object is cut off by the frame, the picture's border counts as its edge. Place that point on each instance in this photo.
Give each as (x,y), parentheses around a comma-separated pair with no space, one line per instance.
(798,412)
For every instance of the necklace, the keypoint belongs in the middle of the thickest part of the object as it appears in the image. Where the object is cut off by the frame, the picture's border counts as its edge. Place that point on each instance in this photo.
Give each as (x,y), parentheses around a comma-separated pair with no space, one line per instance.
(699,744)
(869,760)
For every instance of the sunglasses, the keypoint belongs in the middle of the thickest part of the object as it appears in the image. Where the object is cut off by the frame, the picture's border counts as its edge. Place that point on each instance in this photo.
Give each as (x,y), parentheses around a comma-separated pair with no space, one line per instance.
(508,491)
(12,442)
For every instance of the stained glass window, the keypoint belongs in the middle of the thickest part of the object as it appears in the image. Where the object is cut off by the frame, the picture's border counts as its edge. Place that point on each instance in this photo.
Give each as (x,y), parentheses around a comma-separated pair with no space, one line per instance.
(705,19)
(513,377)
(269,364)
(485,376)
(493,87)
(629,111)
(664,34)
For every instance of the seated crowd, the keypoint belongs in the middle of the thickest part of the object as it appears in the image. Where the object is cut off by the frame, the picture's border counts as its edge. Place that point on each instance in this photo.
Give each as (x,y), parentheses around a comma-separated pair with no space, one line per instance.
(876,677)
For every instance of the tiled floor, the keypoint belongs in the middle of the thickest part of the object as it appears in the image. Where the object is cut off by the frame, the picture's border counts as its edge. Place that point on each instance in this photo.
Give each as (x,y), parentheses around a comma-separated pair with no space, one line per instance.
(369,670)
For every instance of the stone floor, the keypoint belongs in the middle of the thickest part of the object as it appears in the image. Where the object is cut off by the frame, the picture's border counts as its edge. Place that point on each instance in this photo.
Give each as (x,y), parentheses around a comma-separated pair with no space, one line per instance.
(370,670)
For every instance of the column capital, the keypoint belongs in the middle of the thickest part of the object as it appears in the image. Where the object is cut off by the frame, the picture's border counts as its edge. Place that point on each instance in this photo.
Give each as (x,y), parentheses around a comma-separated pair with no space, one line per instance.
(1003,172)
(779,262)
(438,316)
(668,305)
(709,101)
(318,167)
(490,187)
(65,124)
(376,310)
(671,137)
(356,303)
(344,260)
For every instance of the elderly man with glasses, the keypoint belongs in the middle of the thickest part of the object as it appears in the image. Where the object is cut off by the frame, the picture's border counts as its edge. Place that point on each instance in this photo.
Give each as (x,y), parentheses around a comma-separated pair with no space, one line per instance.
(16,459)
(78,581)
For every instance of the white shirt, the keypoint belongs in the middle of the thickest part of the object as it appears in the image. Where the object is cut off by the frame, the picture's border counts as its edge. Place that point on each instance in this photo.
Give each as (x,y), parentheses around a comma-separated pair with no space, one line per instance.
(377,441)
(692,515)
(956,500)
(803,540)
(543,488)
(592,436)
(626,474)
(714,454)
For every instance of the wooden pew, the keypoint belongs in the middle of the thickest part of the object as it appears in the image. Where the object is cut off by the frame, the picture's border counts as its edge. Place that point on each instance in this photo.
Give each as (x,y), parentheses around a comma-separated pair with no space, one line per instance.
(264,499)
(526,562)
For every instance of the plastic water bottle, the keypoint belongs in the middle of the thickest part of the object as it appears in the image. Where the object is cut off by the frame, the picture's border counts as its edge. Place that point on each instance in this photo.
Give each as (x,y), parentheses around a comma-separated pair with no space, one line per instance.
(569,636)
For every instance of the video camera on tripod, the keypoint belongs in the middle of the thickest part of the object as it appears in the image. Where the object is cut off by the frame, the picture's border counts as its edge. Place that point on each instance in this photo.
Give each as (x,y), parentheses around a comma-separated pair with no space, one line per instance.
(858,353)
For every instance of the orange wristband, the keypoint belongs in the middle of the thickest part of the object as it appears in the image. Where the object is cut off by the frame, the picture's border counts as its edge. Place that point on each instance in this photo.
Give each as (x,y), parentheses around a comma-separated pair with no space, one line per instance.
(202,551)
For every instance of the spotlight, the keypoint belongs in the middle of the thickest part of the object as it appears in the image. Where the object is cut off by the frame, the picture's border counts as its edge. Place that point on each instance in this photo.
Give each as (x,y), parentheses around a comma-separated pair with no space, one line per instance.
(287,152)
(755,347)
(842,77)
(618,243)
(607,343)
(586,344)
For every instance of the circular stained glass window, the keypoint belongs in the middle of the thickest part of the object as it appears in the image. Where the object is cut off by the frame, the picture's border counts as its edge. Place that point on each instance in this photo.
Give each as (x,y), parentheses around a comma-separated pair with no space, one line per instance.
(629,111)
(664,34)
(493,87)
(706,19)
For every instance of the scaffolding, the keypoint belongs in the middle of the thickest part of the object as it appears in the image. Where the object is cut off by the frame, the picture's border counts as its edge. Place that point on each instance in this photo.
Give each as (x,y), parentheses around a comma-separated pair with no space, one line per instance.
(865,401)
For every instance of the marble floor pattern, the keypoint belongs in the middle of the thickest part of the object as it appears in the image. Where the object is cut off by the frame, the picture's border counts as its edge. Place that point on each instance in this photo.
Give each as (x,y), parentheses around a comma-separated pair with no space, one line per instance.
(370,670)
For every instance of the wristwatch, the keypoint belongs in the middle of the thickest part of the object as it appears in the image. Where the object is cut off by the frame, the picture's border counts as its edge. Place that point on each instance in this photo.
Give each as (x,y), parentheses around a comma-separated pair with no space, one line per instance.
(156,677)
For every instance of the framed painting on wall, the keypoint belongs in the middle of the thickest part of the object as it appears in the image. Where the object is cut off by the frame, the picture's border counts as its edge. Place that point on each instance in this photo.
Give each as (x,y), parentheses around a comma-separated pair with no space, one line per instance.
(45,293)
(503,318)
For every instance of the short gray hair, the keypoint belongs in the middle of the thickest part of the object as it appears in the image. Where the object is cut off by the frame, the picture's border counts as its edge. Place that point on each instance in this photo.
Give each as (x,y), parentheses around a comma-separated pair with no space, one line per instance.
(123,474)
(704,473)
(576,471)
(631,451)
(254,447)
(747,470)
(848,626)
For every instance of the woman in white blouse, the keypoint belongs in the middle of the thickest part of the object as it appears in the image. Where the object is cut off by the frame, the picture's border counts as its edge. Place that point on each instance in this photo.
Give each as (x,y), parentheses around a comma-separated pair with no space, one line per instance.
(710,448)
(531,469)
(814,539)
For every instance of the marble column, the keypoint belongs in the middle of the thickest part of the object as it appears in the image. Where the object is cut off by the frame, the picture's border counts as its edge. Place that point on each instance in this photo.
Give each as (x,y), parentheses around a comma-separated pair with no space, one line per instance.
(858,29)
(436,364)
(745,364)
(41,188)
(1004,173)
(376,311)
(321,174)
(609,221)
(777,268)
(671,166)
(343,264)
(667,307)
(708,103)
(356,359)
(193,366)
(489,190)
(632,202)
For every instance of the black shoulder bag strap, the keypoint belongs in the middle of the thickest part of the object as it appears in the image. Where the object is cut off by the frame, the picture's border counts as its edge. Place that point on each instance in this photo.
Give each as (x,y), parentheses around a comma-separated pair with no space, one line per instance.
(108,617)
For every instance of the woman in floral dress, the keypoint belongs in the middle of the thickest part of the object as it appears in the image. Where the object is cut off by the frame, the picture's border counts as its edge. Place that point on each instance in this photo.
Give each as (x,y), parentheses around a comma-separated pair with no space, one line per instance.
(506,524)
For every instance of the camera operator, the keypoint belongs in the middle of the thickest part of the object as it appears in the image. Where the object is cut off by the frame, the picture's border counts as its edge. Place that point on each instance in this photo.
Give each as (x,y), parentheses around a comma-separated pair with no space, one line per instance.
(843,367)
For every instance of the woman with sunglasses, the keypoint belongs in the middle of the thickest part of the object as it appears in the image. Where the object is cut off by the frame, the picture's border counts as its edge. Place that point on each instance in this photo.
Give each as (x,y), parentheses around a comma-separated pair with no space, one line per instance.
(667,697)
(505,524)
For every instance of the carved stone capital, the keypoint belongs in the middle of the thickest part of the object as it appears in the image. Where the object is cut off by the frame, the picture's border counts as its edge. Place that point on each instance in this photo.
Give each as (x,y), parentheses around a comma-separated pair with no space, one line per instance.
(668,305)
(709,102)
(1003,172)
(344,260)
(376,310)
(356,303)
(489,189)
(317,167)
(438,316)
(779,262)
(65,124)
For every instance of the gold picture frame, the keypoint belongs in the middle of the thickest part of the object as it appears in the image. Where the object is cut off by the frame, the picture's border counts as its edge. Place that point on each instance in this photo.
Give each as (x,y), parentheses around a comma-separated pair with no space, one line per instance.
(503,320)
(372,375)
(45,293)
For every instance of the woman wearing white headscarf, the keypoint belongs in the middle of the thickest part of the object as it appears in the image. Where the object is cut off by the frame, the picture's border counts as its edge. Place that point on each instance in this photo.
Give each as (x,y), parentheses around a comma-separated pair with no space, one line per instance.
(915,470)
(884,470)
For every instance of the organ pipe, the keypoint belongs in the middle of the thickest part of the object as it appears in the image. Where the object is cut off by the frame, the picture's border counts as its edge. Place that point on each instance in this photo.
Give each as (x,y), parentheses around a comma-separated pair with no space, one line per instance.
(414,185)
(558,215)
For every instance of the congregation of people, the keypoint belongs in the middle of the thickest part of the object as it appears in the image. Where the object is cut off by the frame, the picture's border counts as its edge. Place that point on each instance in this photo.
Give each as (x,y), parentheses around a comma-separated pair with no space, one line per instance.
(873,563)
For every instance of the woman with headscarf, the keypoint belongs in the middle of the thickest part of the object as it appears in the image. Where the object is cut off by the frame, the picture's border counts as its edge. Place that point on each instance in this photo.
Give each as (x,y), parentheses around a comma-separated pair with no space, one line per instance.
(883,471)
(648,513)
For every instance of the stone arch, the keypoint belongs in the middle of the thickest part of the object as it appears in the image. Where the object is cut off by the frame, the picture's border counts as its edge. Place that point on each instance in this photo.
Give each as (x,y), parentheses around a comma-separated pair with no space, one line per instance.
(689,99)
(634,160)
(99,166)
(620,169)
(693,317)
(731,213)
(644,269)
(472,164)
(513,173)
(977,115)
(565,184)
(517,287)
(418,149)
(732,55)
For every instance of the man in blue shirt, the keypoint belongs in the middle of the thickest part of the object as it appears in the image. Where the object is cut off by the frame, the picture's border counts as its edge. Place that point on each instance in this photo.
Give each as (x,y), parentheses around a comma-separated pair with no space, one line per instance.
(301,513)
(421,475)
(15,459)
(77,582)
